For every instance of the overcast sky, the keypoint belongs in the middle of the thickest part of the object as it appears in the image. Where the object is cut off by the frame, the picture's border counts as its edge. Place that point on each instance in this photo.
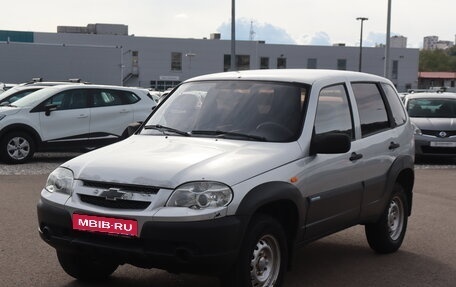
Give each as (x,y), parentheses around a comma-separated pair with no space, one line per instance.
(306,22)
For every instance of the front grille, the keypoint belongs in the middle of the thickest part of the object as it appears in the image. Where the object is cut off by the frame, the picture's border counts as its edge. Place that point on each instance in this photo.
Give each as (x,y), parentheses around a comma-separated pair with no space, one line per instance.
(439,150)
(120,186)
(436,133)
(117,204)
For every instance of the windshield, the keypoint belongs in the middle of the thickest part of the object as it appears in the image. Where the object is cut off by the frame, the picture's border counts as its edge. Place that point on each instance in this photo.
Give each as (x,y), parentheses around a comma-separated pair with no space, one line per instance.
(431,108)
(244,110)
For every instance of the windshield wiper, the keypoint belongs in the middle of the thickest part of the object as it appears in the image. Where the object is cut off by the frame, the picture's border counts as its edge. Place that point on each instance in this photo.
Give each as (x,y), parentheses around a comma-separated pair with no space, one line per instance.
(164,129)
(224,134)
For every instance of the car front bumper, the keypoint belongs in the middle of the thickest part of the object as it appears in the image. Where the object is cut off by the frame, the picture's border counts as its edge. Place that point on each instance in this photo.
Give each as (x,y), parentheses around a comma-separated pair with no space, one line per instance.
(208,246)
(434,146)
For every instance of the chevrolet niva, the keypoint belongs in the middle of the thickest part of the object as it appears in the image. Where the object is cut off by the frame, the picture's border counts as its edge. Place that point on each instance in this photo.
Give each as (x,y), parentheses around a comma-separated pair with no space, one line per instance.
(234,171)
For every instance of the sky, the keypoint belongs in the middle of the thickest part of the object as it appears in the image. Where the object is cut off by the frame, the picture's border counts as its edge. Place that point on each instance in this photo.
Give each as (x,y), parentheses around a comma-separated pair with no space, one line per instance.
(302,22)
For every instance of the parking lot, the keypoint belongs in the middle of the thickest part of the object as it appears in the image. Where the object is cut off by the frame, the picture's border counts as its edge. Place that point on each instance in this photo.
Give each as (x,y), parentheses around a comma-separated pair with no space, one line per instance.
(427,257)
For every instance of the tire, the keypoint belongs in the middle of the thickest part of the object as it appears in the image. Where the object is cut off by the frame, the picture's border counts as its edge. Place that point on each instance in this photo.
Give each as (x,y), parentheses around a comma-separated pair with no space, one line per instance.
(386,235)
(17,147)
(85,267)
(263,256)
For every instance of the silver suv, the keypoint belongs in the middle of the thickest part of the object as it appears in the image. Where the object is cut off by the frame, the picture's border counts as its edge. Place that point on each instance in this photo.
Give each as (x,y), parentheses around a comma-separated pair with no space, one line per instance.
(232,172)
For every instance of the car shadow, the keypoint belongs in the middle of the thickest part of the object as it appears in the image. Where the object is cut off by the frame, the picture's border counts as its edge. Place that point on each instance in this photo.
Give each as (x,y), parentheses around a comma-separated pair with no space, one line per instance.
(324,263)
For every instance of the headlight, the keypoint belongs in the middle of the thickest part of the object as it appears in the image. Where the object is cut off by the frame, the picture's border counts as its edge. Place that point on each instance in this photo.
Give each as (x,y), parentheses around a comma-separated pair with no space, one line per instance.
(60,180)
(416,129)
(199,195)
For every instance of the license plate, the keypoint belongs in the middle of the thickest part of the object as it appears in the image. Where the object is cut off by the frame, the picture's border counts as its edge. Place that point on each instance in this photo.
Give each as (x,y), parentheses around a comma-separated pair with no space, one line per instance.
(443,144)
(107,225)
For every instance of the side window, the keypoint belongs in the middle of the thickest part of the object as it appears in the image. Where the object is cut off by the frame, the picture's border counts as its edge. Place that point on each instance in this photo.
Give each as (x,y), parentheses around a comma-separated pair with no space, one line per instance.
(372,111)
(69,100)
(105,98)
(333,111)
(129,98)
(396,106)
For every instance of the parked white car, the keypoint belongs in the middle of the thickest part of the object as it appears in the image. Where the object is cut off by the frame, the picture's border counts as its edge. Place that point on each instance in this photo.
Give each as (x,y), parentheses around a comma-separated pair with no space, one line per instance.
(234,171)
(69,117)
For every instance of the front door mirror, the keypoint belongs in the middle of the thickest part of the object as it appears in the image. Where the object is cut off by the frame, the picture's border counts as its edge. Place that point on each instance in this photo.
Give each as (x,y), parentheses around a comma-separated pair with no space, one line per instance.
(49,108)
(330,143)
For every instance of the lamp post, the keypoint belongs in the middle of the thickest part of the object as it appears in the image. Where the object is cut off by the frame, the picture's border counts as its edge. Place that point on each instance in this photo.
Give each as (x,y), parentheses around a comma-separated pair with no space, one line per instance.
(362,19)
(386,72)
(233,36)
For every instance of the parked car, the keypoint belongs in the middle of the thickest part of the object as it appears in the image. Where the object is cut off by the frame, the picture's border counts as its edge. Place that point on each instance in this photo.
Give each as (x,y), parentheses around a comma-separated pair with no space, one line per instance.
(434,115)
(234,171)
(21,90)
(69,117)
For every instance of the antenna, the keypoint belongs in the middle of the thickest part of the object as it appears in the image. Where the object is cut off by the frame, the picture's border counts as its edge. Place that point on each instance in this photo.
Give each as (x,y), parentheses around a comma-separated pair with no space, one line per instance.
(252,32)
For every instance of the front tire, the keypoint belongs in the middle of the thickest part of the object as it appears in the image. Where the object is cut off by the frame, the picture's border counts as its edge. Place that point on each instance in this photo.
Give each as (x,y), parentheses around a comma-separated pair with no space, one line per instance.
(85,267)
(17,147)
(386,235)
(263,258)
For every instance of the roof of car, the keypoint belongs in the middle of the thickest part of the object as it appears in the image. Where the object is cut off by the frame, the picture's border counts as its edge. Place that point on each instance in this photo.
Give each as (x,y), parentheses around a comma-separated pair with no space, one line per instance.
(431,95)
(290,75)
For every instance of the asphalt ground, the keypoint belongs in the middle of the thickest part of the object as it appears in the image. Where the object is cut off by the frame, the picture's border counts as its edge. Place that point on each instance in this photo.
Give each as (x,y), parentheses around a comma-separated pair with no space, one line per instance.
(426,258)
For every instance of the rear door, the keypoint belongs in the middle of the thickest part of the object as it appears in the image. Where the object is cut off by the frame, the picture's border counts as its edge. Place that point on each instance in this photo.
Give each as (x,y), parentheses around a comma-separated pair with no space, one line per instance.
(377,142)
(111,114)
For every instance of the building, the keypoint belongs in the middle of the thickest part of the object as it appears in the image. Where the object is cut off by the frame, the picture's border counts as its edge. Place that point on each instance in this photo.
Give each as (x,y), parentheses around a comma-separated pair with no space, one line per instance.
(398,42)
(102,55)
(433,43)
(429,80)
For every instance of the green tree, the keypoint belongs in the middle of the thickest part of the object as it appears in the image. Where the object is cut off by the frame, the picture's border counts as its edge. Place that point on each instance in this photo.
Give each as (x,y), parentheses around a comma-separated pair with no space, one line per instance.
(438,60)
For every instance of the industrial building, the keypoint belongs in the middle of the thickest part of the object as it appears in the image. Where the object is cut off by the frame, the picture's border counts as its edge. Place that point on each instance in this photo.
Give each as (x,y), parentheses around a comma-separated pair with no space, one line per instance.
(107,54)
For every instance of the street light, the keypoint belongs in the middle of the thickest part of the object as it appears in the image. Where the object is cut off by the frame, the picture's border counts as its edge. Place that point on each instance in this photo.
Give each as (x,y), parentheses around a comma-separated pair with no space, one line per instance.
(362,19)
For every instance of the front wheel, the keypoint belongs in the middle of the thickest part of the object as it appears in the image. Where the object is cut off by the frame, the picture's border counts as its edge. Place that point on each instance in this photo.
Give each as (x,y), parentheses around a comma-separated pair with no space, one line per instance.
(263,257)
(386,235)
(17,147)
(85,267)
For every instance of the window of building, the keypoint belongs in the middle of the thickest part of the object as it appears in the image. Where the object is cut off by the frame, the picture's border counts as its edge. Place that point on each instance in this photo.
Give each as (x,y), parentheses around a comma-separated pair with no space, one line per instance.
(264,63)
(163,85)
(311,63)
(371,107)
(176,61)
(394,72)
(242,62)
(281,62)
(342,64)
(333,112)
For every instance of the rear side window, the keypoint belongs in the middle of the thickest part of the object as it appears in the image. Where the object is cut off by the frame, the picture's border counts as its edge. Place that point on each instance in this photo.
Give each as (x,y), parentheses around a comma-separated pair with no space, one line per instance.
(396,106)
(371,107)
(103,98)
(333,112)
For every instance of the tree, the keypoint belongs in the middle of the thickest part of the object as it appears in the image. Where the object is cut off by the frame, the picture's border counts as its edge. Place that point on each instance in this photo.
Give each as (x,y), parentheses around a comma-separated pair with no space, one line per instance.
(438,60)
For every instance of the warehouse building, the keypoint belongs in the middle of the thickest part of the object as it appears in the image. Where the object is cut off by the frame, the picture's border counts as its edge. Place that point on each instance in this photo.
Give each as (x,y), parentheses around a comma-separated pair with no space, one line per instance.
(107,54)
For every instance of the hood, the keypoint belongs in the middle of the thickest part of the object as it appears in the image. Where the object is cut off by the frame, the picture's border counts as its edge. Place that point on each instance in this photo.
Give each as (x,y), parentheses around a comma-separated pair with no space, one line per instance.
(435,124)
(170,161)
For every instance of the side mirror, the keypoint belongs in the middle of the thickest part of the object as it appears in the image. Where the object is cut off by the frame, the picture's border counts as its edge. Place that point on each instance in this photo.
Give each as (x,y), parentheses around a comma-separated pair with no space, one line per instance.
(132,128)
(49,108)
(330,143)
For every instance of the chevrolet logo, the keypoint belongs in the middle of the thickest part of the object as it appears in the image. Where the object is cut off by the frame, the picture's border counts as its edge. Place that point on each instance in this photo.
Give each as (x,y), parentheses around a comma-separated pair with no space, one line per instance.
(114,194)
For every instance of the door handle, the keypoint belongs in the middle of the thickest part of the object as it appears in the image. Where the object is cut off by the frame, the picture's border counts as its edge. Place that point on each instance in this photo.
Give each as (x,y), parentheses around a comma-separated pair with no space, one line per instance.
(124,111)
(393,145)
(82,116)
(355,156)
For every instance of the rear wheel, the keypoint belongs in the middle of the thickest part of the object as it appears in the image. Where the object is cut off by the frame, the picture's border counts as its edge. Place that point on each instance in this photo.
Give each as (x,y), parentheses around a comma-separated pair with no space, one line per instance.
(386,235)
(86,267)
(263,258)
(17,147)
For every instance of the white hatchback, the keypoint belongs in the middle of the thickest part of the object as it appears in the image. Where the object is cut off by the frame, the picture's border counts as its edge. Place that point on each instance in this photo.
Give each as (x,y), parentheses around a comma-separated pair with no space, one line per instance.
(70,117)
